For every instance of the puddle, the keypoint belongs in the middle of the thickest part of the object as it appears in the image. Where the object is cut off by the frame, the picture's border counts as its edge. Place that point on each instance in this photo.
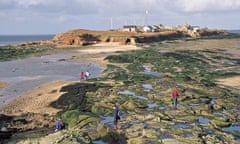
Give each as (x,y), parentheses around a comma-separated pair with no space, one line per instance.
(183,126)
(147,87)
(166,136)
(163,107)
(130,112)
(129,124)
(230,62)
(130,93)
(209,131)
(99,142)
(195,104)
(203,120)
(147,70)
(220,114)
(232,128)
(142,97)
(107,119)
(127,92)
(180,105)
(152,105)
(188,135)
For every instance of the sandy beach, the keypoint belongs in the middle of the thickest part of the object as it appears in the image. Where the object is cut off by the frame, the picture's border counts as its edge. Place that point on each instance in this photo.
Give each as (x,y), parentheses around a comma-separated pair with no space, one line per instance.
(37,100)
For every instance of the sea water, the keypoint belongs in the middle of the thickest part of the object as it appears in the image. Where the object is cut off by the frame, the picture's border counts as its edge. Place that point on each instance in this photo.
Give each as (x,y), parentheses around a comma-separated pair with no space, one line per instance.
(17,39)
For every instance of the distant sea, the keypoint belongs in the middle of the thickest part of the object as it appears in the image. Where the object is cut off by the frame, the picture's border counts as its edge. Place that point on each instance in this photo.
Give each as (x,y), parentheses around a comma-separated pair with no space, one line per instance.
(234,31)
(17,39)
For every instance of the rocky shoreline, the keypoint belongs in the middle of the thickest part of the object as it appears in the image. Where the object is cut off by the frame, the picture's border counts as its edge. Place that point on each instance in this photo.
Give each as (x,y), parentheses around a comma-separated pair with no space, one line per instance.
(141,82)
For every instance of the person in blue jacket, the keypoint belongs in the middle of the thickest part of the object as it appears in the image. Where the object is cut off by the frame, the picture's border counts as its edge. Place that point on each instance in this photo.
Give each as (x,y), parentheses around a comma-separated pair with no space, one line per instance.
(116,116)
(59,124)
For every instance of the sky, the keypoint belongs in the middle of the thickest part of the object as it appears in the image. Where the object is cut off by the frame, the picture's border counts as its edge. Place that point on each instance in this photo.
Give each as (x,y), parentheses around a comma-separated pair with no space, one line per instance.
(58,16)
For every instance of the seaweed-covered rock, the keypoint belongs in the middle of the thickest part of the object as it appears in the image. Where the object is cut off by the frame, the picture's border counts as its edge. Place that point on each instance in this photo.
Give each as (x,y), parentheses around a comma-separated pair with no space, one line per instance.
(61,137)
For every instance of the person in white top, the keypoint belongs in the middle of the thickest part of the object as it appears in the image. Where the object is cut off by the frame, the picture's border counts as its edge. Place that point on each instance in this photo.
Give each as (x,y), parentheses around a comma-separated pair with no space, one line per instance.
(87,75)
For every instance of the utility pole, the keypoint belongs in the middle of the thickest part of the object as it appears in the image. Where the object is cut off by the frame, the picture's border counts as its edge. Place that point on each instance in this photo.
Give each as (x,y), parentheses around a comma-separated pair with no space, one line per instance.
(146,18)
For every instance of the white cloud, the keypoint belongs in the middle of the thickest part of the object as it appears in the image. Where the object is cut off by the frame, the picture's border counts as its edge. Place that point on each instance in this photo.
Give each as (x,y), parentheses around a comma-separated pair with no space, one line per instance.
(28,3)
(97,13)
(207,5)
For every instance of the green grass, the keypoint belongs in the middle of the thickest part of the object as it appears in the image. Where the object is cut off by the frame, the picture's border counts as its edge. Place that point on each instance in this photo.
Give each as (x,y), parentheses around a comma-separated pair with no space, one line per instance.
(16,52)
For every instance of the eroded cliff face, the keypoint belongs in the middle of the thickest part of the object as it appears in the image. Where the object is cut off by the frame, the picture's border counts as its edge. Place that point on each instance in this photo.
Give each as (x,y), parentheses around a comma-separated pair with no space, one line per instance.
(82,37)
(87,37)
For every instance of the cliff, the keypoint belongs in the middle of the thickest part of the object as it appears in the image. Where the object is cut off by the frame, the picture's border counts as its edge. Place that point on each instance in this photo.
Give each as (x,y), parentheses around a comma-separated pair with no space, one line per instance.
(88,37)
(81,37)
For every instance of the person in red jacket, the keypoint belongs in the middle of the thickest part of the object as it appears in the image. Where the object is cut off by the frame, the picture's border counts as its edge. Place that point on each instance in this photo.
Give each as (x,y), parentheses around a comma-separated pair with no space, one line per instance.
(81,75)
(175,96)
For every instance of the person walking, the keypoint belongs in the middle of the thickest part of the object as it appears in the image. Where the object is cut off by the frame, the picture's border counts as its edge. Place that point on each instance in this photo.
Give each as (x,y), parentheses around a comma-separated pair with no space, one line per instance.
(116,115)
(87,75)
(81,75)
(175,96)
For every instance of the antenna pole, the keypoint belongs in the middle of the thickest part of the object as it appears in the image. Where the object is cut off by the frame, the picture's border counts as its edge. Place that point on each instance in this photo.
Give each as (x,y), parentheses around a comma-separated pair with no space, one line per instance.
(146,18)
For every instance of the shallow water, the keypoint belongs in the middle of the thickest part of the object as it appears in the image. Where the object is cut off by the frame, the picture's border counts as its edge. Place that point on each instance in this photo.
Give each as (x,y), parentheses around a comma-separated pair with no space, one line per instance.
(195,104)
(25,74)
(232,128)
(166,136)
(203,120)
(220,114)
(147,87)
(152,105)
(188,135)
(148,71)
(127,92)
(107,119)
(142,97)
(99,142)
(183,126)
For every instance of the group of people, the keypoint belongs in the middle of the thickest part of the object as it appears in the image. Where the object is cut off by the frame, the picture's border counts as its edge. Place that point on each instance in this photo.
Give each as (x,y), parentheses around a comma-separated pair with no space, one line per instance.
(117,112)
(85,75)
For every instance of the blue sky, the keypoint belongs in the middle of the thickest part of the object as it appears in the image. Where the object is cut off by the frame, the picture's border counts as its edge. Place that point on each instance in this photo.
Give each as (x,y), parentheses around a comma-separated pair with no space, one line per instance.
(57,16)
